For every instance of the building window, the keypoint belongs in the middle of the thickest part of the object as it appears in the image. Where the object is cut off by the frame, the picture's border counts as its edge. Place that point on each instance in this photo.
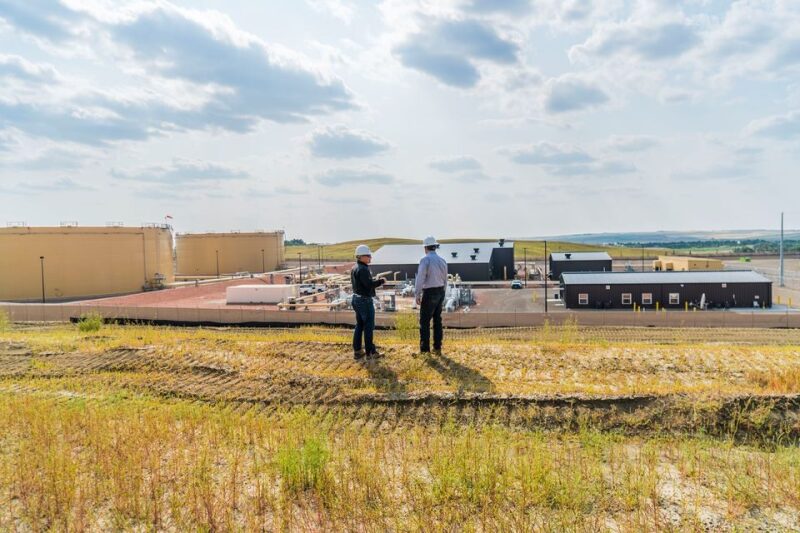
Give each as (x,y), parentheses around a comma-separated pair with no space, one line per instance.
(647,298)
(583,298)
(674,298)
(627,298)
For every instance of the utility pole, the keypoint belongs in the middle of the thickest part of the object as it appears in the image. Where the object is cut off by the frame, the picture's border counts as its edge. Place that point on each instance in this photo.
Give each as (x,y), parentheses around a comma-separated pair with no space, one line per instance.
(546,276)
(217,254)
(41,261)
(300,259)
(263,262)
(525,261)
(782,249)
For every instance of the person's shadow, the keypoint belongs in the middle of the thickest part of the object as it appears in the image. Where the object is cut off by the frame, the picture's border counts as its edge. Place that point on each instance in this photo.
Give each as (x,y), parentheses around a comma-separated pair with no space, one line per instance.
(467,379)
(382,376)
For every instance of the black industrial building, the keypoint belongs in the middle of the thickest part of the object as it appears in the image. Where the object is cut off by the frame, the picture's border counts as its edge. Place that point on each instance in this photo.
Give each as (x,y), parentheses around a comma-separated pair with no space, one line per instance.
(620,290)
(578,262)
(472,261)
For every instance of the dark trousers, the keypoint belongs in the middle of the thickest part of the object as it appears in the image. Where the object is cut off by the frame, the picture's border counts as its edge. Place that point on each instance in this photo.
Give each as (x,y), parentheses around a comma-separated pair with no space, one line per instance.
(431,308)
(365,323)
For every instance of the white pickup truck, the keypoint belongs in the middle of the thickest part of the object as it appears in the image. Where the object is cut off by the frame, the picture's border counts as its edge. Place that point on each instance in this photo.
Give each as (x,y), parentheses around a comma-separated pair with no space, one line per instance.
(311,289)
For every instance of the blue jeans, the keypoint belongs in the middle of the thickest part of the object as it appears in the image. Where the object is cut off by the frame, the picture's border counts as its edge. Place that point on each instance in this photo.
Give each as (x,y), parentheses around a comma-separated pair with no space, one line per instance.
(365,323)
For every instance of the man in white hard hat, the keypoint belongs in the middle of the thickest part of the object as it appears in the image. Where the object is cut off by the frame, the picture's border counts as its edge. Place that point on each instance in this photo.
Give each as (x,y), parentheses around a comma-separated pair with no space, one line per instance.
(363,292)
(429,289)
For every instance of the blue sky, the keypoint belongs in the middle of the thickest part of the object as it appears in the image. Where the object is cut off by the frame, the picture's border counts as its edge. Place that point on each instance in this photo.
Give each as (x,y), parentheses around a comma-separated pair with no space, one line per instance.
(338,119)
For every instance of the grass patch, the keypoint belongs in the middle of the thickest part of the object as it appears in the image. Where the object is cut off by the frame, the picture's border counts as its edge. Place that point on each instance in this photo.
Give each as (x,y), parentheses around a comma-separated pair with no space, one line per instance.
(406,325)
(90,323)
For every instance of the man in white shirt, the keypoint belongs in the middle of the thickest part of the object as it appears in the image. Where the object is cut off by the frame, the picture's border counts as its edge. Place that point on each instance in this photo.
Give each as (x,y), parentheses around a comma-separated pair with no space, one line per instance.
(430,285)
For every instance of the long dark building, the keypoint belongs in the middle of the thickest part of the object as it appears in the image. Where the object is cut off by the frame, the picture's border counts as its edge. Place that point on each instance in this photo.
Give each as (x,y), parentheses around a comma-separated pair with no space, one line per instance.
(578,262)
(620,290)
(472,261)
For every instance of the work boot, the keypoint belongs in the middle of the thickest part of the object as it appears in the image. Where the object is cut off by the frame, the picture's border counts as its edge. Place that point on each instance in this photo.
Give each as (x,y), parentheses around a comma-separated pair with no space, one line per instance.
(374,354)
(359,354)
(437,351)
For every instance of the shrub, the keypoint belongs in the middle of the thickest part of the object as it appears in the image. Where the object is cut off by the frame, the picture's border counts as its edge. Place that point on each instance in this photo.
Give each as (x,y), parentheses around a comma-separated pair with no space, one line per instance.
(407,325)
(90,322)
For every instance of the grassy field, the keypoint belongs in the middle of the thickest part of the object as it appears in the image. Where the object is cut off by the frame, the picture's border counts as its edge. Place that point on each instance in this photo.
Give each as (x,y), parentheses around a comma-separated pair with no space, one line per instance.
(535,249)
(549,429)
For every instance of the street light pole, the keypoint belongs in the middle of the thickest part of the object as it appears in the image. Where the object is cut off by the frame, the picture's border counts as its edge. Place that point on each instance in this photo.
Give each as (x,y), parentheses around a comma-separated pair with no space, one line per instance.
(545,276)
(525,262)
(782,249)
(41,261)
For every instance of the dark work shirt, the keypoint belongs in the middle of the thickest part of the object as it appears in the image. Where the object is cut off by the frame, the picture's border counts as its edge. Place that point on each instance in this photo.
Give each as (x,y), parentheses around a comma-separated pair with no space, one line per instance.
(361,279)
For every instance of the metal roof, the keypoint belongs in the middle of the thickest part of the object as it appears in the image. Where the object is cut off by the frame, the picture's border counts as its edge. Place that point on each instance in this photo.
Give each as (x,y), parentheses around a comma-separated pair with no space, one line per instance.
(410,254)
(580,256)
(643,278)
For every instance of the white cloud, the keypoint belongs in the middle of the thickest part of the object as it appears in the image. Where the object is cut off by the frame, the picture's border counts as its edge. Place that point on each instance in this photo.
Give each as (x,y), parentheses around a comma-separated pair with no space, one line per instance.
(572,93)
(181,172)
(340,142)
(782,127)
(339,177)
(632,143)
(455,164)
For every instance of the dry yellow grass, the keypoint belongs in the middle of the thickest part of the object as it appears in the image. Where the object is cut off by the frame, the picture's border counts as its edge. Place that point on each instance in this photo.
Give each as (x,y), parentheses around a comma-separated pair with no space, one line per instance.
(554,429)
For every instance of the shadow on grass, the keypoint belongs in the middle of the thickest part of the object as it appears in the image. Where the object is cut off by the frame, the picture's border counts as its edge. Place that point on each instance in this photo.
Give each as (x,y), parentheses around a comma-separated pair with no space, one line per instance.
(382,376)
(467,379)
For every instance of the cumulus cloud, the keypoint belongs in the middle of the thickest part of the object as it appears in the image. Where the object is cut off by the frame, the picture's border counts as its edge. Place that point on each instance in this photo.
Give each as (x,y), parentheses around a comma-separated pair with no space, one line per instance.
(340,142)
(255,81)
(545,153)
(650,40)
(449,49)
(632,143)
(565,160)
(220,77)
(455,164)
(572,93)
(777,126)
(48,19)
(63,185)
(181,172)
(13,66)
(338,177)
(511,7)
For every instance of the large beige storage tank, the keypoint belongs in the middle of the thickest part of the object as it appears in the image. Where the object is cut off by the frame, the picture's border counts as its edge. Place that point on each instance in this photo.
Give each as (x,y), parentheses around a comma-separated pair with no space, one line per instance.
(213,254)
(82,262)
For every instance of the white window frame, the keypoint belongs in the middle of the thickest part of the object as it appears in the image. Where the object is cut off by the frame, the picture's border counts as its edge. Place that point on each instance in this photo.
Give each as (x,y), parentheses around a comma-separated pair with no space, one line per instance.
(647,298)
(627,298)
(583,298)
(676,300)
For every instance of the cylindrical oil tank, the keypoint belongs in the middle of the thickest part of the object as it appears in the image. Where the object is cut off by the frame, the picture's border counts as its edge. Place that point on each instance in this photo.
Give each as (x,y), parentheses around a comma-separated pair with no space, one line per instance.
(218,254)
(78,262)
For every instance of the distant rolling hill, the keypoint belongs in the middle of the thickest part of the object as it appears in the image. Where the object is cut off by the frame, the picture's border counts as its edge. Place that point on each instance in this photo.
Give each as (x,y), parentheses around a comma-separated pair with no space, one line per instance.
(677,236)
(533,249)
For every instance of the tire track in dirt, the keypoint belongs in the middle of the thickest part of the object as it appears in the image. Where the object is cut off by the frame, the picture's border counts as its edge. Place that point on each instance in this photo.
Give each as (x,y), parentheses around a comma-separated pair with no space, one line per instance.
(264,387)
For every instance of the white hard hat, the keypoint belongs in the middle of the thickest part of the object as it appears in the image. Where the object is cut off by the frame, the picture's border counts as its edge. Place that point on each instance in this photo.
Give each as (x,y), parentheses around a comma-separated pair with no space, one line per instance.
(363,249)
(430,241)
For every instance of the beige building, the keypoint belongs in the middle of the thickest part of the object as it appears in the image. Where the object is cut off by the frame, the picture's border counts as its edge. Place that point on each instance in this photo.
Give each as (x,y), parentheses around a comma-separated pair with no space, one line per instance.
(212,254)
(75,262)
(685,263)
